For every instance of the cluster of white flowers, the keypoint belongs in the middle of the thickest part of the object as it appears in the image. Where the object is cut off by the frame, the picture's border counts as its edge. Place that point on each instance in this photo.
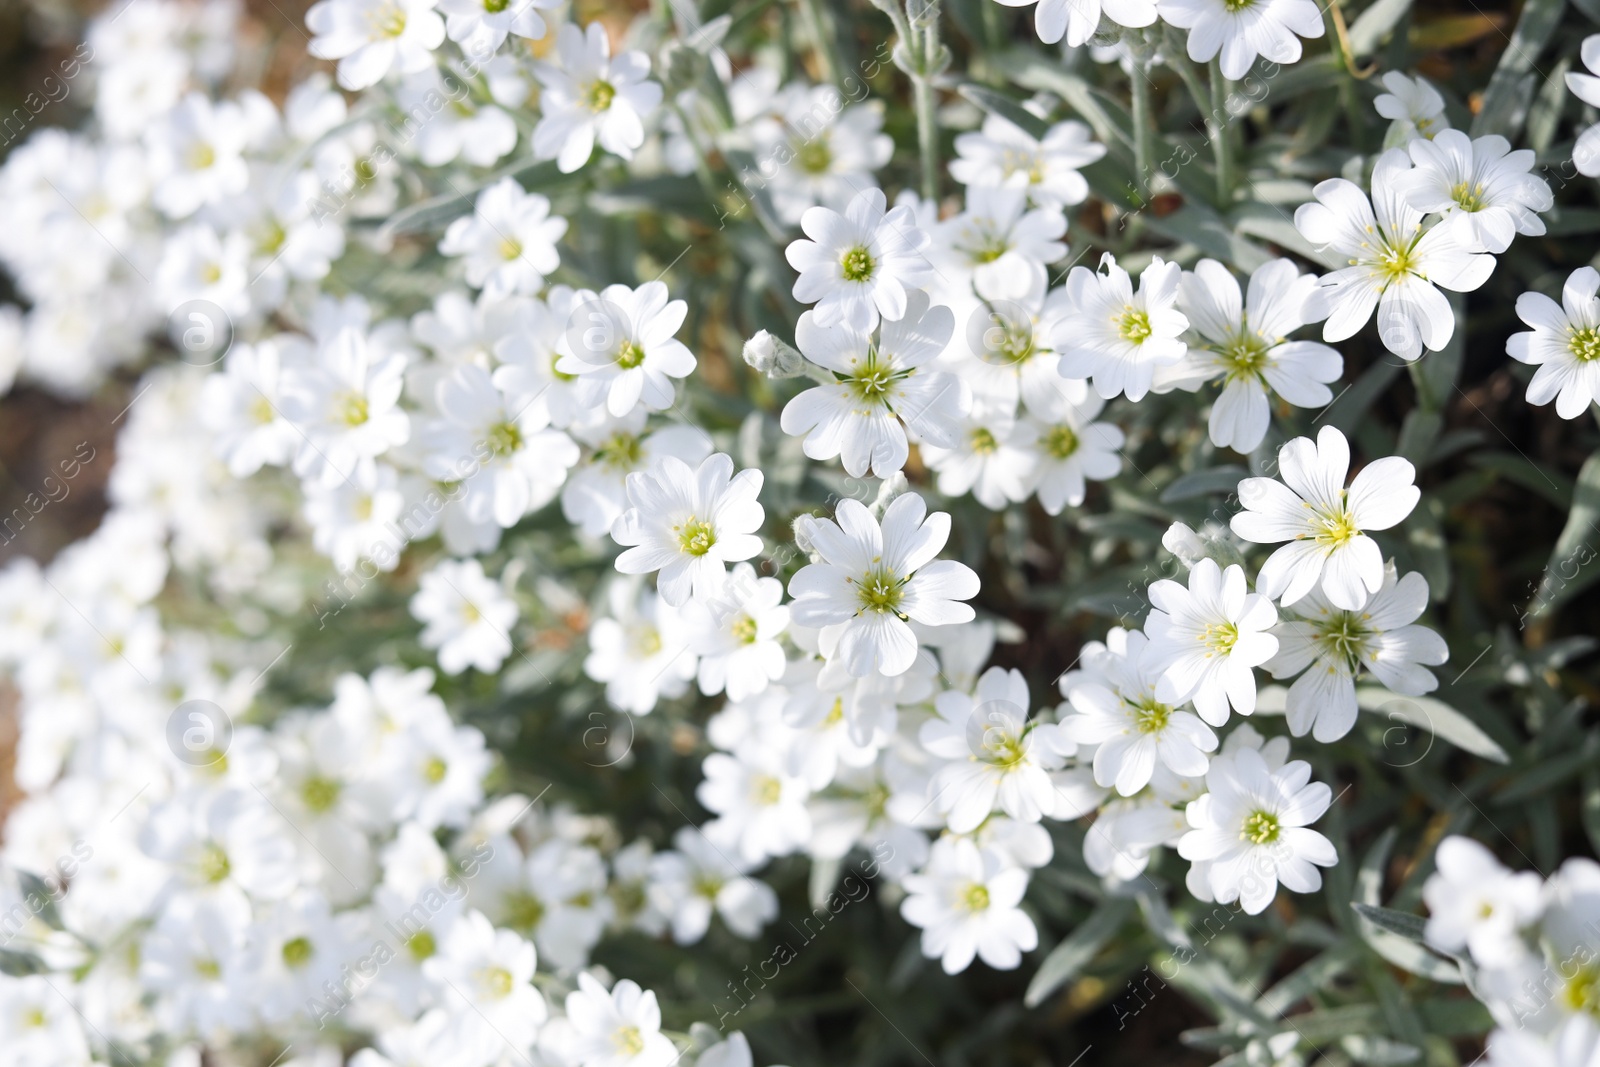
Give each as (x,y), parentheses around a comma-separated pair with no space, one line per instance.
(338,875)
(1530,947)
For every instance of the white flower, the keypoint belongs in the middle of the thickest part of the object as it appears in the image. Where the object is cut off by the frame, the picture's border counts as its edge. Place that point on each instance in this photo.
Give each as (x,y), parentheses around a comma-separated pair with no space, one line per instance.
(1414,107)
(465,615)
(596,492)
(345,406)
(355,519)
(591,95)
(620,1028)
(688,524)
(507,459)
(1564,343)
(1117,710)
(484,976)
(1207,639)
(1395,265)
(1332,644)
(1574,1043)
(481,26)
(998,247)
(736,635)
(196,156)
(1476,903)
(880,384)
(620,343)
(1069,446)
(1077,20)
(39,1024)
(966,902)
(1586,87)
(1484,192)
(1241,31)
(239,406)
(821,150)
(1004,156)
(995,758)
(1324,523)
(1245,343)
(697,879)
(1115,337)
(640,652)
(1252,830)
(368,37)
(994,458)
(509,240)
(761,803)
(872,581)
(859,265)
(298,945)
(434,772)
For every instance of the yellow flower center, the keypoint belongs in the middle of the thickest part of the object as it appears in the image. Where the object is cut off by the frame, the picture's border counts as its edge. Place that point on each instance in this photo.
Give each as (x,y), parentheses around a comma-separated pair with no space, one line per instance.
(496,982)
(1468,195)
(1060,441)
(628,1040)
(879,590)
(297,952)
(765,790)
(975,897)
(744,630)
(1150,716)
(599,95)
(503,439)
(421,945)
(1133,325)
(857,264)
(1584,344)
(696,537)
(1260,828)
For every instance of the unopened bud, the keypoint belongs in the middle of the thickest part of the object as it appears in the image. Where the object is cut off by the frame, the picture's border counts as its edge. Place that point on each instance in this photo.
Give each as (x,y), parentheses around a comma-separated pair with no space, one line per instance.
(773,357)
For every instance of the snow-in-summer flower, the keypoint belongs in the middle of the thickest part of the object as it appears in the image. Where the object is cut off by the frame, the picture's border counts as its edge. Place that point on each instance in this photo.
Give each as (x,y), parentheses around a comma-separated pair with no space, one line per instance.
(1002,155)
(1116,337)
(688,524)
(1396,266)
(1484,192)
(508,243)
(1324,523)
(1476,903)
(619,343)
(1069,446)
(1077,20)
(466,616)
(371,37)
(872,581)
(861,265)
(617,1028)
(1206,638)
(966,902)
(481,26)
(1241,31)
(1586,87)
(1564,343)
(994,757)
(1252,831)
(884,386)
(1413,106)
(1114,707)
(735,634)
(592,96)
(1244,341)
(1331,645)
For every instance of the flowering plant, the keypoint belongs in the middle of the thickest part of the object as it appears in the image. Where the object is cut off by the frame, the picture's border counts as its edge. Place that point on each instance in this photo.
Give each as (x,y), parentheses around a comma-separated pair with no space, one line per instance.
(633,533)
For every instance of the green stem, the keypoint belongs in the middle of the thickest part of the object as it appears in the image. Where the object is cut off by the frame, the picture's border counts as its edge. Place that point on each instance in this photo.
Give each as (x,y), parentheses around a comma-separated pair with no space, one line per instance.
(1221,139)
(924,51)
(1144,121)
(817,27)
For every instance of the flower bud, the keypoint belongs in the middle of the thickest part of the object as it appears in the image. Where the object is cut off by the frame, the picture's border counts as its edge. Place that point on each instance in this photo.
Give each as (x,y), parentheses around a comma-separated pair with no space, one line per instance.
(773,357)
